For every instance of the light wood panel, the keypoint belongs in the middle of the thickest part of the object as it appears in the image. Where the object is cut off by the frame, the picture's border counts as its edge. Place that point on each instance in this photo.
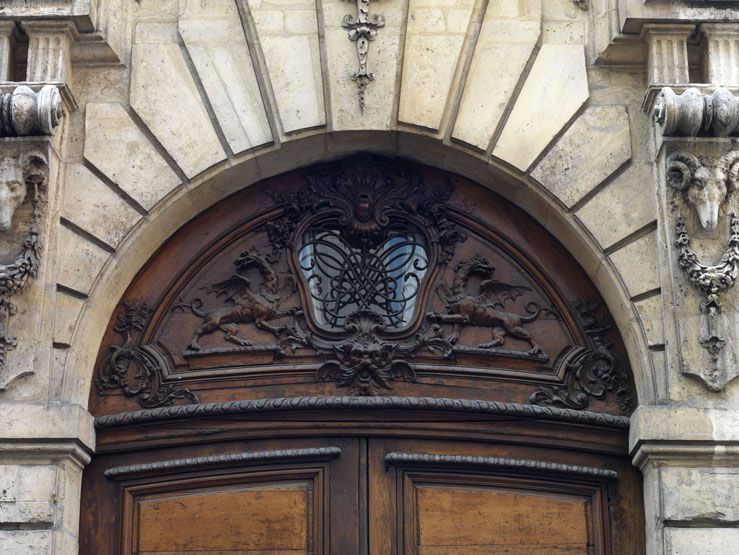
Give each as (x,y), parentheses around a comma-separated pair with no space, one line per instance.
(255,519)
(471,520)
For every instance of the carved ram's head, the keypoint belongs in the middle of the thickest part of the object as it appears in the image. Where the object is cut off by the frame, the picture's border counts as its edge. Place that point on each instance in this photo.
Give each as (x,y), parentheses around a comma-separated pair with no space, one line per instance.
(16,175)
(704,181)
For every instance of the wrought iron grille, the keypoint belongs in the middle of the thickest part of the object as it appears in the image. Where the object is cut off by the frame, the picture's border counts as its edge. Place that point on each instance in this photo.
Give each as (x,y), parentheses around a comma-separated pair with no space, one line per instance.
(382,272)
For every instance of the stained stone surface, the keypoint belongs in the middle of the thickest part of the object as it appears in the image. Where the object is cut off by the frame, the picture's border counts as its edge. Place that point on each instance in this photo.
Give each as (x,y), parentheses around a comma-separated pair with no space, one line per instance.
(638,265)
(215,40)
(433,43)
(594,147)
(142,173)
(288,34)
(95,207)
(507,37)
(621,207)
(554,91)
(161,88)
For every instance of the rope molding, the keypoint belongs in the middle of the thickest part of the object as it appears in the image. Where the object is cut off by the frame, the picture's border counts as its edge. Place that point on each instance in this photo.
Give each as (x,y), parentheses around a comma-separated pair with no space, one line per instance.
(399,459)
(281,404)
(254,456)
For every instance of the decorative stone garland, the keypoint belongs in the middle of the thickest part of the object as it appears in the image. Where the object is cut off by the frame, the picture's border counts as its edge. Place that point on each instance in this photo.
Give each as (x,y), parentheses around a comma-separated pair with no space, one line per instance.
(15,276)
(712,281)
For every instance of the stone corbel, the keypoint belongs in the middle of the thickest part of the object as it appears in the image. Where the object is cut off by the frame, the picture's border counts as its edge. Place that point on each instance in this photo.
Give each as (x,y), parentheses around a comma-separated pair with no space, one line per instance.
(694,114)
(25,112)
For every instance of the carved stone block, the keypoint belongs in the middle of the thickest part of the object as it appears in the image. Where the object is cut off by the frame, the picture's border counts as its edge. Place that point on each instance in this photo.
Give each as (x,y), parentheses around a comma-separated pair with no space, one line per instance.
(25,112)
(694,113)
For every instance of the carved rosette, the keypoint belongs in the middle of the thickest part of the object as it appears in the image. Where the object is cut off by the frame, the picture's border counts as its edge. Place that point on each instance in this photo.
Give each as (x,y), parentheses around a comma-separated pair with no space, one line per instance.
(138,371)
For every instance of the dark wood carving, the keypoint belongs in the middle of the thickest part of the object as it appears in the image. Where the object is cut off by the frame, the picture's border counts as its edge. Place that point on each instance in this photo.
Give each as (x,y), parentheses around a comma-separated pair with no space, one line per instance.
(487,308)
(367,275)
(592,371)
(517,465)
(137,370)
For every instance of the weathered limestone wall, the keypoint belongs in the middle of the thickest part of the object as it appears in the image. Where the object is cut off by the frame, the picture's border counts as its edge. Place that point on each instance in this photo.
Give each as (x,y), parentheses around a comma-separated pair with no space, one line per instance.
(172,105)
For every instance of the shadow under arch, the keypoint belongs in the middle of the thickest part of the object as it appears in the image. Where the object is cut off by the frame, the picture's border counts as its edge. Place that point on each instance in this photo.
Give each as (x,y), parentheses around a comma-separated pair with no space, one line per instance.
(218,182)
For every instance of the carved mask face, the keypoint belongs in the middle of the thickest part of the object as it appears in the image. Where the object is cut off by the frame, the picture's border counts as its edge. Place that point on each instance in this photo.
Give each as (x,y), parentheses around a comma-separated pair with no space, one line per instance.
(12,192)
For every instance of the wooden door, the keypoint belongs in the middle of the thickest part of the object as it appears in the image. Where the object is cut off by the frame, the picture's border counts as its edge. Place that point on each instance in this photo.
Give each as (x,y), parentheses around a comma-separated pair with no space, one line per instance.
(275,497)
(368,356)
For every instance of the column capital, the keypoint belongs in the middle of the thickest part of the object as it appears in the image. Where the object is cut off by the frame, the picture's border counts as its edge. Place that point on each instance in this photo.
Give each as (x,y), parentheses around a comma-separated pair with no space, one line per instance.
(667,49)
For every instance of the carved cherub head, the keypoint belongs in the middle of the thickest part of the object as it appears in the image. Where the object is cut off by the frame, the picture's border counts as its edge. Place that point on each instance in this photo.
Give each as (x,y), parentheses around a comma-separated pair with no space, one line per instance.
(16,174)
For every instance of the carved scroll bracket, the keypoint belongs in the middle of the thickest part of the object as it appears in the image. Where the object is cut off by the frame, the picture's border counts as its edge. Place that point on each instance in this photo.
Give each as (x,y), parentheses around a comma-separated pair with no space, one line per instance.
(25,112)
(362,29)
(712,281)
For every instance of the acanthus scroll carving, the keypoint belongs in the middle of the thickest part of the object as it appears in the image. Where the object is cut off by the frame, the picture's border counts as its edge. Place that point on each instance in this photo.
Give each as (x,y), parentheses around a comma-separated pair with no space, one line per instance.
(590,372)
(712,281)
(138,371)
(18,175)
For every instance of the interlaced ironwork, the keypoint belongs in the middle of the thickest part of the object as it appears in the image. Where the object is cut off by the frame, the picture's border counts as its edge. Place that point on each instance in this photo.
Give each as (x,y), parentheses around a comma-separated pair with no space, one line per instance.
(382,273)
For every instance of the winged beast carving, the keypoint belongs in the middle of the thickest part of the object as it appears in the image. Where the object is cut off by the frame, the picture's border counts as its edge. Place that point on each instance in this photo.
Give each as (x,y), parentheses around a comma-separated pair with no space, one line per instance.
(246,303)
(488,307)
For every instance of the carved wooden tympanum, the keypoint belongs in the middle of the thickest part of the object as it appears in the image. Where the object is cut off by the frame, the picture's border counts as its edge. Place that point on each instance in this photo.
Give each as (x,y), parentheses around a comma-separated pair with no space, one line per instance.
(368,356)
(360,277)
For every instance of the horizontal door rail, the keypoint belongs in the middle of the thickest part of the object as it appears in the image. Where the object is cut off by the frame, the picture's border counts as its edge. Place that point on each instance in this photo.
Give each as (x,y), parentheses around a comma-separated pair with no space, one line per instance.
(527,465)
(284,404)
(247,457)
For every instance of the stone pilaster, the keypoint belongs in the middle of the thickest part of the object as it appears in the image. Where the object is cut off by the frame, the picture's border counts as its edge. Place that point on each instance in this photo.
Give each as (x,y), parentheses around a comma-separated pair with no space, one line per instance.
(667,46)
(722,53)
(49,50)
(6,45)
(690,461)
(43,449)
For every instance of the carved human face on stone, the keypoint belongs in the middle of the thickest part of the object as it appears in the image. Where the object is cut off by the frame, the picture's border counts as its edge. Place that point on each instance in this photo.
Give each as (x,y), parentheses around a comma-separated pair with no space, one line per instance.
(16,174)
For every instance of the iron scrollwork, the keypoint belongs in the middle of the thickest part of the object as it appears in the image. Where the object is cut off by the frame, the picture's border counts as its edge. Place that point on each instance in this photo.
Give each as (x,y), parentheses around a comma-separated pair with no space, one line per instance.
(137,370)
(590,372)
(363,235)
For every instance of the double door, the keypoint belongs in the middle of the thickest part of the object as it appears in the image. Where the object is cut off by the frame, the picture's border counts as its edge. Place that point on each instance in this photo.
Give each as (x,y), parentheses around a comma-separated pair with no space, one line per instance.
(360,495)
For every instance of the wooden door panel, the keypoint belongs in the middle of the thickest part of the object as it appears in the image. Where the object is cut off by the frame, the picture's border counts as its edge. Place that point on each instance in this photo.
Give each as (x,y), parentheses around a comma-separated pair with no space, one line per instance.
(432,497)
(259,518)
(474,518)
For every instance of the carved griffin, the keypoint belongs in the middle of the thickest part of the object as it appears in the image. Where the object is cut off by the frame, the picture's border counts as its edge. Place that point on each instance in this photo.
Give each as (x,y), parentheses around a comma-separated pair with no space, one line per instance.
(486,309)
(16,175)
(246,304)
(705,182)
